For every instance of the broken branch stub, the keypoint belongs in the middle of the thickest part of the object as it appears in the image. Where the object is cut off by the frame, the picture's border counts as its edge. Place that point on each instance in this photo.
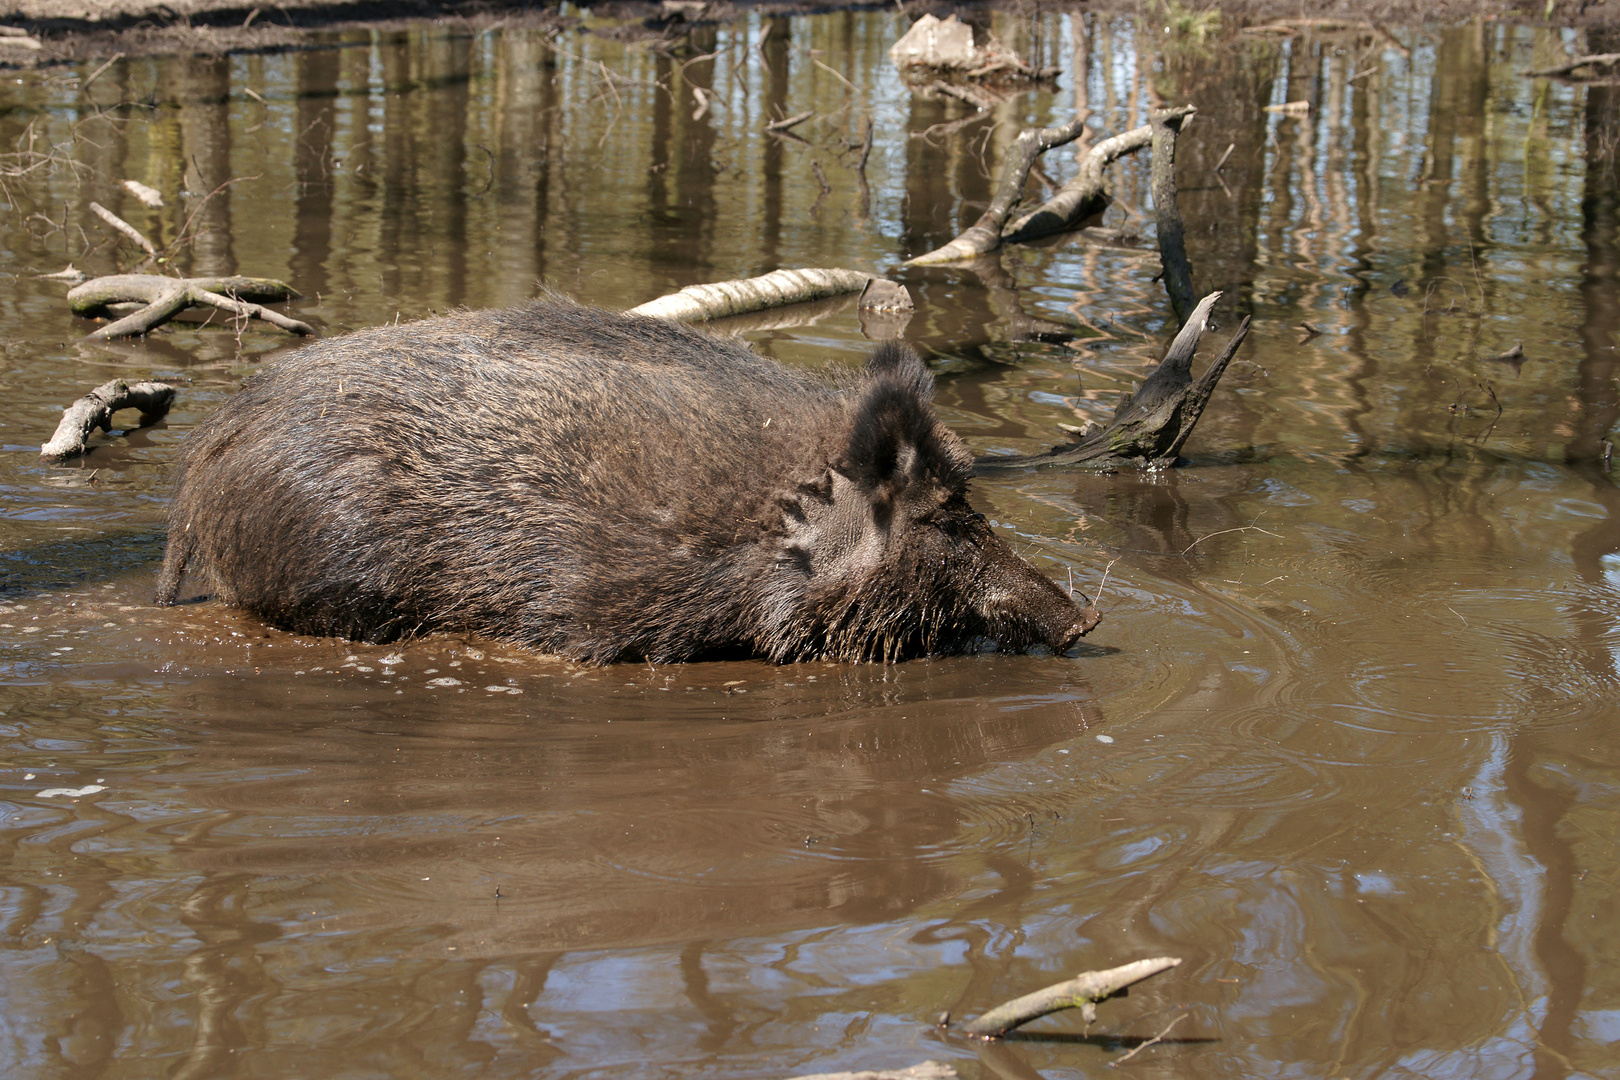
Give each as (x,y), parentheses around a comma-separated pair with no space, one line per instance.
(1149,427)
(95,410)
(1082,991)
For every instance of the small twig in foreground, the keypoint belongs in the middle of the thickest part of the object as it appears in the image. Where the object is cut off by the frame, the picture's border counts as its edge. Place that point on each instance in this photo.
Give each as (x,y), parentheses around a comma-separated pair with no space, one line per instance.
(1138,1049)
(1240,528)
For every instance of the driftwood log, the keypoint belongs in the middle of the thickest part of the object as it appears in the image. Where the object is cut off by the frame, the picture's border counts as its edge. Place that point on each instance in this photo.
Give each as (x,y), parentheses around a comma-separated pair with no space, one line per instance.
(165,297)
(697,303)
(95,410)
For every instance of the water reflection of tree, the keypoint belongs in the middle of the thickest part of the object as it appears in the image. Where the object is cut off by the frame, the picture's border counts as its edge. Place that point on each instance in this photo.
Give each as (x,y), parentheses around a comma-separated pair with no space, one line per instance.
(1546,772)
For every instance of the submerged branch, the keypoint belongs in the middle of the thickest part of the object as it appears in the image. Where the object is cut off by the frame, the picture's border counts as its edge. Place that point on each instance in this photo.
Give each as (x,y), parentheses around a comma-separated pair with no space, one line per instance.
(166,297)
(95,410)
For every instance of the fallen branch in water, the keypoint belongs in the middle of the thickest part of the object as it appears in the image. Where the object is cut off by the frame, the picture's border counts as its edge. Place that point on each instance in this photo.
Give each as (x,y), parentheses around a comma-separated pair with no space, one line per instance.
(1083,196)
(166,297)
(984,235)
(95,410)
(1083,991)
(1150,426)
(697,303)
(1079,199)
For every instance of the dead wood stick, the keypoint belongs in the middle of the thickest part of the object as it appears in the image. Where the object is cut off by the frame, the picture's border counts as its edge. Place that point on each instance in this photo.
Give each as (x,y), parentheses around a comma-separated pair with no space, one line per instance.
(984,235)
(790,121)
(95,410)
(1562,70)
(1082,991)
(1151,425)
(124,227)
(697,303)
(1166,125)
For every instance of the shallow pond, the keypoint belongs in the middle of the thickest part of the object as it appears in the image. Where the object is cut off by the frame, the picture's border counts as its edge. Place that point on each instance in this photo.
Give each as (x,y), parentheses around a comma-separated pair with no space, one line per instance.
(1343,743)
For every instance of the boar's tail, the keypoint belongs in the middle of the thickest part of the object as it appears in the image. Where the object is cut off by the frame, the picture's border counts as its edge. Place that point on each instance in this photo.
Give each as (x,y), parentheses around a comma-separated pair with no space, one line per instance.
(181,545)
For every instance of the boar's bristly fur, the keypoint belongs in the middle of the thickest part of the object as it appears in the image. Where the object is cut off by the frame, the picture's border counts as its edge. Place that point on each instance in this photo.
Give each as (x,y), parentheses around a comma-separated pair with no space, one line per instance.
(601,486)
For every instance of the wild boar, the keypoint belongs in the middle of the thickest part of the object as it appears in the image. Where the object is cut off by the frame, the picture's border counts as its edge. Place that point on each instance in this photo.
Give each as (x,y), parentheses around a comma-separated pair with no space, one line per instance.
(604,487)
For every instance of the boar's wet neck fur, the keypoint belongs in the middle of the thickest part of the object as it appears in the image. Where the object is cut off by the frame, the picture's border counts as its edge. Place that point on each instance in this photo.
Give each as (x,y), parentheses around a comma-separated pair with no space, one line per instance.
(603,487)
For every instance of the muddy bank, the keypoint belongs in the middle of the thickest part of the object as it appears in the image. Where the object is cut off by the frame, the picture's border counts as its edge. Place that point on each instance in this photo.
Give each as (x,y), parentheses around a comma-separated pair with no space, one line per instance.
(44,32)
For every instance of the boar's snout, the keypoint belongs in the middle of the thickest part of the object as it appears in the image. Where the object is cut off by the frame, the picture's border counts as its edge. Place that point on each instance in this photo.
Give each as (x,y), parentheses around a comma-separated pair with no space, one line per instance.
(1027,608)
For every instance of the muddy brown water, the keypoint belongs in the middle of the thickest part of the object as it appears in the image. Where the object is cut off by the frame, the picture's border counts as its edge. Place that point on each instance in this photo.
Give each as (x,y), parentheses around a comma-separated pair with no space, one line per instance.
(1344,742)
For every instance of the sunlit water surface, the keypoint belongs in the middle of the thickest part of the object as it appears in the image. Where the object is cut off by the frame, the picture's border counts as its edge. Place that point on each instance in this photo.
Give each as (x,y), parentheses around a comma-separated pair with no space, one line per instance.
(1344,741)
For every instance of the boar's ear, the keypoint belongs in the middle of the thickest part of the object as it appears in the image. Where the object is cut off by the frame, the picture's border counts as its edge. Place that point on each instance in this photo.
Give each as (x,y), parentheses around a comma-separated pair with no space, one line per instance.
(894,437)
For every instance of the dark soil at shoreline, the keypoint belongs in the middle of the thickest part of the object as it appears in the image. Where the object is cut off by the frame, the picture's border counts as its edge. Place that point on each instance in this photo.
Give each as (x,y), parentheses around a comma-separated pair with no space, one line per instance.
(49,32)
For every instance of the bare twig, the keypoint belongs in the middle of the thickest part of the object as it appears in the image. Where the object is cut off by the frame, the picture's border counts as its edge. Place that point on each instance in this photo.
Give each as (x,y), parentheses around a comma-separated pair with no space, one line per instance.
(1103,584)
(833,72)
(1143,1046)
(96,74)
(1223,532)
(195,210)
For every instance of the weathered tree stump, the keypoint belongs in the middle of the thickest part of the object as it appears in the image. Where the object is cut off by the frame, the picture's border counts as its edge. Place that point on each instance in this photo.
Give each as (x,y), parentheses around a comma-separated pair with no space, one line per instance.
(1150,426)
